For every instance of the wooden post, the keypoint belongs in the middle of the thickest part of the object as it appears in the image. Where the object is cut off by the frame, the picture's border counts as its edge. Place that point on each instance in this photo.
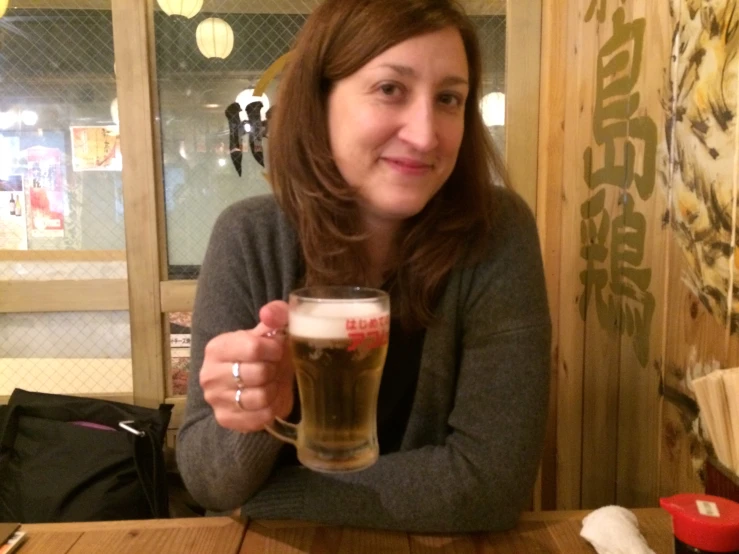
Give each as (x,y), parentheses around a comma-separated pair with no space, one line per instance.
(548,210)
(133,39)
(523,55)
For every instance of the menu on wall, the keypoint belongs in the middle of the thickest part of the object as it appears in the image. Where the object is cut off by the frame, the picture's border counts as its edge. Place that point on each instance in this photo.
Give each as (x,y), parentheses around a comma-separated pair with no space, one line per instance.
(96,148)
(13,234)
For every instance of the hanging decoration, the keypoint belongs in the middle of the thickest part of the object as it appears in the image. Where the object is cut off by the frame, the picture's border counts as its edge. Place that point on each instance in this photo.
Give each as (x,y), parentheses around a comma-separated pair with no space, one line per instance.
(215,38)
(185,8)
(249,115)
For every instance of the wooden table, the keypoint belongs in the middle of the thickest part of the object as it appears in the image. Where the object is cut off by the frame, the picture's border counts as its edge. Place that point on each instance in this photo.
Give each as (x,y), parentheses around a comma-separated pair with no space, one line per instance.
(537,533)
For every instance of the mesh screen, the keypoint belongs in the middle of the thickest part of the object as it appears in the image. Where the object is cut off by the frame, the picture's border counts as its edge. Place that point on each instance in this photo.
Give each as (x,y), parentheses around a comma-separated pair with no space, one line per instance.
(70,353)
(61,190)
(59,160)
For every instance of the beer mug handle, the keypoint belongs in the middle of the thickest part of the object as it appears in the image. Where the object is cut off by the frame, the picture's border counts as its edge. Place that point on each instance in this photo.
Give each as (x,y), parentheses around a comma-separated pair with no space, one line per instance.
(281,429)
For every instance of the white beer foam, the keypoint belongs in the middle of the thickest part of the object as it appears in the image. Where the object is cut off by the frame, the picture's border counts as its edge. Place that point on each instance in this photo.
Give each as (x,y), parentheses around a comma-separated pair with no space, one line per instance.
(328,321)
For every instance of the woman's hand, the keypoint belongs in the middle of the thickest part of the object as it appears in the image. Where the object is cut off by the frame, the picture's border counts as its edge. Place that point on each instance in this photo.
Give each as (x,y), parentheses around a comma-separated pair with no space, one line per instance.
(265,371)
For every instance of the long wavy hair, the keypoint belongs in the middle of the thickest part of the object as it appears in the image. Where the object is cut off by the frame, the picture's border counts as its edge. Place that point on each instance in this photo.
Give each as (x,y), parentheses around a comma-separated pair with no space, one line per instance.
(338,39)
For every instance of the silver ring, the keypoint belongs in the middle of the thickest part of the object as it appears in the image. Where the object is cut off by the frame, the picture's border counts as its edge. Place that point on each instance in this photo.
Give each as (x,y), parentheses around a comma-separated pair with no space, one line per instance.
(236,372)
(238,398)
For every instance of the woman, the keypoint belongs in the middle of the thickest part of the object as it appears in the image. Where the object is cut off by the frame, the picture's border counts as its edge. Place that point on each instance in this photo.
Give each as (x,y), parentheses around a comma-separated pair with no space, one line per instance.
(383,176)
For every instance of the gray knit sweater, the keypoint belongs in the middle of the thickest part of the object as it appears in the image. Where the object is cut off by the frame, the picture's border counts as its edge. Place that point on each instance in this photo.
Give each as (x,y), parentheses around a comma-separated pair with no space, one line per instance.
(471,449)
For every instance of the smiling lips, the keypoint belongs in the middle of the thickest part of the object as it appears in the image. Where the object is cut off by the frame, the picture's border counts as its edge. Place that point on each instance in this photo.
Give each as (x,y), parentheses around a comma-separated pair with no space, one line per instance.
(409,166)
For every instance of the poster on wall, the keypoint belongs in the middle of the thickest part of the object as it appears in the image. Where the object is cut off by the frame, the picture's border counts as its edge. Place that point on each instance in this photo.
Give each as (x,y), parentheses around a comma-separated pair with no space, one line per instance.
(180,324)
(44,182)
(96,148)
(13,233)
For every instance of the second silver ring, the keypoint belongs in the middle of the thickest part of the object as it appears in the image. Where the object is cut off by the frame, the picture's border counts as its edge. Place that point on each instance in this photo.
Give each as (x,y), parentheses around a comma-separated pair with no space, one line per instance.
(236,372)
(238,397)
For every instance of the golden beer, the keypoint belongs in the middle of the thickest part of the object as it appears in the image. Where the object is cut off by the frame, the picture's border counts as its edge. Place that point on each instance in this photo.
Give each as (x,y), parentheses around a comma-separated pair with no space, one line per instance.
(338,396)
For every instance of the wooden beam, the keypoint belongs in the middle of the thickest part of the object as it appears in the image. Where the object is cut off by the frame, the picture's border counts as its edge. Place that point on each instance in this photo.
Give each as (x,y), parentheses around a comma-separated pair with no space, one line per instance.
(473,7)
(178,296)
(58,5)
(62,255)
(523,58)
(567,184)
(549,208)
(63,296)
(523,38)
(133,40)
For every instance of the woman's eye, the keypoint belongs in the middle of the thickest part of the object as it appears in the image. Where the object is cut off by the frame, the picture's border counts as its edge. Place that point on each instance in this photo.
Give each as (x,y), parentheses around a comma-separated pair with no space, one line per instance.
(451,100)
(388,89)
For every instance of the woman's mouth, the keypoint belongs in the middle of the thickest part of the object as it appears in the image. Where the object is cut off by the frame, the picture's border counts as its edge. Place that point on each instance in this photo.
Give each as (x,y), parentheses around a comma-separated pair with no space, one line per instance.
(409,166)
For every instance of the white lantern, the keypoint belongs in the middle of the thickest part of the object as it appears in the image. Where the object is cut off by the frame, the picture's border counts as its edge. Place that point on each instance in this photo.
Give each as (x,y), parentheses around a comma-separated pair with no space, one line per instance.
(215,38)
(186,8)
(3,7)
(493,109)
(29,117)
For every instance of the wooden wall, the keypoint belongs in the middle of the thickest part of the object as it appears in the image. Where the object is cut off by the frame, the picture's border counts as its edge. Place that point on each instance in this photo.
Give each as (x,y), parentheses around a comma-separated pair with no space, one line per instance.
(636,203)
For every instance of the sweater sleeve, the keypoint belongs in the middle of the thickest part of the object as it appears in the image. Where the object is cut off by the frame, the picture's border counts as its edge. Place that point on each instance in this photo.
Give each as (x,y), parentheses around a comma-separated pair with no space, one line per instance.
(220,467)
(482,475)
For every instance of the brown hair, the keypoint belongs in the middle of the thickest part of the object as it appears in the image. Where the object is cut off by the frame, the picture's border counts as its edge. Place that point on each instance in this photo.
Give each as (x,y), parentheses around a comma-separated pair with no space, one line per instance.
(338,39)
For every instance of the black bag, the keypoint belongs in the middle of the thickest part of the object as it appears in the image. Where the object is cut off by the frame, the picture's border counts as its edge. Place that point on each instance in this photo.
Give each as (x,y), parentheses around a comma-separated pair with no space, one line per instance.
(67,458)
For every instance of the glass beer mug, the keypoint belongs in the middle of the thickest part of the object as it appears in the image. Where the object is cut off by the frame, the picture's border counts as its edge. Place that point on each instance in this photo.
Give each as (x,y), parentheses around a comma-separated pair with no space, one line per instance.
(337,338)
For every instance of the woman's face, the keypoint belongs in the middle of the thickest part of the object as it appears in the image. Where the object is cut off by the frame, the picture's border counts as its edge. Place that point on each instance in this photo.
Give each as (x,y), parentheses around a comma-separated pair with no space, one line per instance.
(396,124)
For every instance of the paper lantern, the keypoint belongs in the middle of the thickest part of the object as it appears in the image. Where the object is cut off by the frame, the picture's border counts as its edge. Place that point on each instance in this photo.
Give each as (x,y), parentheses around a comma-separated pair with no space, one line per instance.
(29,117)
(215,38)
(186,8)
(493,109)
(3,7)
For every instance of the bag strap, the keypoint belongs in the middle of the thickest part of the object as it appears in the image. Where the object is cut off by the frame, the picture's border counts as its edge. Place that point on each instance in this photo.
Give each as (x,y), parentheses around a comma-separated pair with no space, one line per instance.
(150,469)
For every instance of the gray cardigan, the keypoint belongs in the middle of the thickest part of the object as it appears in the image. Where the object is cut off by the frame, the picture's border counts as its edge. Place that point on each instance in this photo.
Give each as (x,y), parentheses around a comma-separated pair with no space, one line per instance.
(471,449)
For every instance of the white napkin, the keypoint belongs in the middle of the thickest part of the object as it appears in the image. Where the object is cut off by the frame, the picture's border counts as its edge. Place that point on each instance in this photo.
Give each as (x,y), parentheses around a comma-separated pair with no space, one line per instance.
(614,530)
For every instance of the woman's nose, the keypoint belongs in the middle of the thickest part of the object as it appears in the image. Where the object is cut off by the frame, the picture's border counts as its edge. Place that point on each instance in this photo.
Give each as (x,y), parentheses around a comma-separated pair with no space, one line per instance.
(419,127)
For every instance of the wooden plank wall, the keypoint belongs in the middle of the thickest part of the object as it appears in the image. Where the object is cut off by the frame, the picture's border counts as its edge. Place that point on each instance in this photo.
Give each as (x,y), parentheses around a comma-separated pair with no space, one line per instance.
(636,200)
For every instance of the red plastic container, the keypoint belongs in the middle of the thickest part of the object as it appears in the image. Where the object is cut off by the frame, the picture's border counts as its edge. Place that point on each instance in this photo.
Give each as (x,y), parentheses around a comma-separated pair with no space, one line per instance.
(703,523)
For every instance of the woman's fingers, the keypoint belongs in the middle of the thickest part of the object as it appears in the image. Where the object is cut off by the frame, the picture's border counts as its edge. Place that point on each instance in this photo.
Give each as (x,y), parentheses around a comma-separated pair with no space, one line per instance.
(243,346)
(273,315)
(246,376)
